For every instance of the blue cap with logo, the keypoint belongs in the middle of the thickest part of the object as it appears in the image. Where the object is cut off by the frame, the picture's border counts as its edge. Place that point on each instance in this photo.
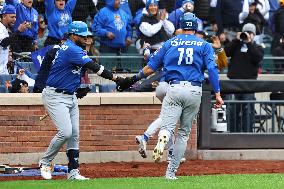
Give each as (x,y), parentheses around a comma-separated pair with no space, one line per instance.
(8,9)
(79,28)
(188,21)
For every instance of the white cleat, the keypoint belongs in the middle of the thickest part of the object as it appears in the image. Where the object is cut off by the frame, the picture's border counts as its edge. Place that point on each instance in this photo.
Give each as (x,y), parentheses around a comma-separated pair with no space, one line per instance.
(45,172)
(75,175)
(171,176)
(182,160)
(159,149)
(142,145)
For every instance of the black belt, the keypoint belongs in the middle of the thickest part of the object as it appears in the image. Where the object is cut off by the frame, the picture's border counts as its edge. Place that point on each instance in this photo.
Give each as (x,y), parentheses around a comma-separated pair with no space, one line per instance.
(63,91)
(193,83)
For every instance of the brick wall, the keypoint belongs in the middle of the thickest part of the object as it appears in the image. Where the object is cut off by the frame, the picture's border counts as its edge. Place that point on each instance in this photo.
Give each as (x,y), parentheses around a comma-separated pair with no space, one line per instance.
(102,128)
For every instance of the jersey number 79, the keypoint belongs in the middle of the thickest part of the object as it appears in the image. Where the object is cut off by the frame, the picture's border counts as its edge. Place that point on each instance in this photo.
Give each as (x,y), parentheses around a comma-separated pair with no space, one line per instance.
(189,55)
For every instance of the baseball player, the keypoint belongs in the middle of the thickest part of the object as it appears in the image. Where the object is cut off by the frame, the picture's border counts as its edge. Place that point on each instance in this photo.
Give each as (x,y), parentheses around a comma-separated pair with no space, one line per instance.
(61,102)
(184,59)
(161,90)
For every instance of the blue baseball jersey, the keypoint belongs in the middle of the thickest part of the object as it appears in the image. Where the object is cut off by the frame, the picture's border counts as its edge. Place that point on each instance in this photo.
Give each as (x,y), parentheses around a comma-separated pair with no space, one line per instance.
(185,58)
(65,72)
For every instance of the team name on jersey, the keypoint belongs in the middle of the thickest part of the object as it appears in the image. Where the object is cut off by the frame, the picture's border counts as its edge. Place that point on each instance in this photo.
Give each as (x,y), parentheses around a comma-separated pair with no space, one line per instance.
(64,47)
(179,42)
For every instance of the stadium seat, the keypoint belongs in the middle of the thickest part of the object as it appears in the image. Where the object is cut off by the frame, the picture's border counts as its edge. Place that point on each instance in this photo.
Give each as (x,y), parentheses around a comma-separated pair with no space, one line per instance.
(107,88)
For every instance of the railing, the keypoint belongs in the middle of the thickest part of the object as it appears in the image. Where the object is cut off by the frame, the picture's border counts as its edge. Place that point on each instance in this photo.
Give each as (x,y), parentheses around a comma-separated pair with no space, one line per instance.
(249,116)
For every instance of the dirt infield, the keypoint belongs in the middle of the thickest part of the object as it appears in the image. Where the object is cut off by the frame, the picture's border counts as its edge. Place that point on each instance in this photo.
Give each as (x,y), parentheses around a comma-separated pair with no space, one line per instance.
(192,167)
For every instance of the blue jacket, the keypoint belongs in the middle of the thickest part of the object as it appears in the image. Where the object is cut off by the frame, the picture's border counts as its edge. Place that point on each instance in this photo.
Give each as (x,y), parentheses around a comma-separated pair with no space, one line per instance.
(125,6)
(116,21)
(58,20)
(29,15)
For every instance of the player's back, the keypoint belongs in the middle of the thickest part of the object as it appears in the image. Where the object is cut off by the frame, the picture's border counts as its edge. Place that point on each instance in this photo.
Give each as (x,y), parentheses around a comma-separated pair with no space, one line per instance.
(185,58)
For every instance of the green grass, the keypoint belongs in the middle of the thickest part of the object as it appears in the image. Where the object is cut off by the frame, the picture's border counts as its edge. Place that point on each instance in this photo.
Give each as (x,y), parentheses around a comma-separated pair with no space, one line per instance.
(259,181)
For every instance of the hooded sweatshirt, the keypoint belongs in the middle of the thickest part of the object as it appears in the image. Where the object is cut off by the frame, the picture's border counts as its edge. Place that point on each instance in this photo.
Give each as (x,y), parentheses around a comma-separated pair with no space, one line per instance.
(112,20)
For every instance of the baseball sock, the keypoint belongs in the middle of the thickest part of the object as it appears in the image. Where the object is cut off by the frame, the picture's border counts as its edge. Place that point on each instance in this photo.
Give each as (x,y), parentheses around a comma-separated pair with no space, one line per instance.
(73,159)
(146,137)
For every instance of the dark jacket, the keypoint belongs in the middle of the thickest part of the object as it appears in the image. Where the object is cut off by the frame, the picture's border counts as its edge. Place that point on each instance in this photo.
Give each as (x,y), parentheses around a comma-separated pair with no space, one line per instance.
(278,20)
(83,10)
(257,19)
(227,14)
(243,65)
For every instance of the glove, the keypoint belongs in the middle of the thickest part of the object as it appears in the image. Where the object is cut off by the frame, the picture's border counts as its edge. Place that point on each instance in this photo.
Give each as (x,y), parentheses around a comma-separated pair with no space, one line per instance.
(124,83)
(82,92)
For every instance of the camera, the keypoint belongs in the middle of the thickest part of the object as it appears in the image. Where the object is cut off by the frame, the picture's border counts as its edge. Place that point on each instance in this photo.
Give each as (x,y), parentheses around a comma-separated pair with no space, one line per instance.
(244,36)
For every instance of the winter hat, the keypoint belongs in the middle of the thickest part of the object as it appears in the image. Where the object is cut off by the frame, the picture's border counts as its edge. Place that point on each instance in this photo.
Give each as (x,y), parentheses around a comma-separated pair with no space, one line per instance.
(149,2)
(249,28)
(187,1)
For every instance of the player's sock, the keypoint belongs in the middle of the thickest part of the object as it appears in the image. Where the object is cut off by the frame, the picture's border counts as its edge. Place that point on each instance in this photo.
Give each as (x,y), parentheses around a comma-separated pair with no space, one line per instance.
(146,137)
(73,158)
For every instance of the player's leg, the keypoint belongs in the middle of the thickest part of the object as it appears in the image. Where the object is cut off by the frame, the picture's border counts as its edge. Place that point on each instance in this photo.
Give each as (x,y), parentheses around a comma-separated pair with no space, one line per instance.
(192,99)
(73,144)
(142,140)
(170,114)
(56,105)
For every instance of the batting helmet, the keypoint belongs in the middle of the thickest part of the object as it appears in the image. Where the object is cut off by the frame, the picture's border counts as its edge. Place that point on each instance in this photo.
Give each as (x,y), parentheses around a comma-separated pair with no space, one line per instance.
(188,21)
(79,28)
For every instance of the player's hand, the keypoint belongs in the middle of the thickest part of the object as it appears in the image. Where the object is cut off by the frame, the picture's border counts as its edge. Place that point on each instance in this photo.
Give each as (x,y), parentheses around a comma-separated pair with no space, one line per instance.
(216,42)
(82,92)
(124,83)
(219,101)
(110,35)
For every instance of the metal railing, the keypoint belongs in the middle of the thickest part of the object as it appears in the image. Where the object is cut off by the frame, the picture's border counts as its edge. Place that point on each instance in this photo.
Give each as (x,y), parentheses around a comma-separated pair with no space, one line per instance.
(249,116)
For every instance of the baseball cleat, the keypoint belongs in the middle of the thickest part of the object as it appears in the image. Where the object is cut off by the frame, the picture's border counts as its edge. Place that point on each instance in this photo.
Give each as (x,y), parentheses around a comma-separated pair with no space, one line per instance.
(142,145)
(182,160)
(75,175)
(159,149)
(45,172)
(170,176)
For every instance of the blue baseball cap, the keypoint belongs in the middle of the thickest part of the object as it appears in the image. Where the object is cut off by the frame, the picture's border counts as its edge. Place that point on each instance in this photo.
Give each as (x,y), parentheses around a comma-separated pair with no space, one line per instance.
(187,1)
(149,2)
(8,9)
(79,28)
(188,21)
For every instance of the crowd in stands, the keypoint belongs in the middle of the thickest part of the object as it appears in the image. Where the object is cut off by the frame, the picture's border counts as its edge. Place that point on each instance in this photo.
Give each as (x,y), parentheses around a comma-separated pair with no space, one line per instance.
(118,25)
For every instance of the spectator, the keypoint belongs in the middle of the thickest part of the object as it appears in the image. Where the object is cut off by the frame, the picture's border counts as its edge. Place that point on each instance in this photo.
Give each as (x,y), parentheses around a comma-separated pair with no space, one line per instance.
(246,56)
(251,14)
(279,51)
(187,6)
(227,17)
(112,26)
(278,25)
(155,29)
(42,31)
(83,10)
(59,16)
(124,5)
(19,86)
(8,19)
(26,14)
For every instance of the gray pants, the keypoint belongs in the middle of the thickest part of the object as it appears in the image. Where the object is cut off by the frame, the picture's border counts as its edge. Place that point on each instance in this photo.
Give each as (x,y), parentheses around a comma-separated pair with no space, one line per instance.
(64,112)
(181,103)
